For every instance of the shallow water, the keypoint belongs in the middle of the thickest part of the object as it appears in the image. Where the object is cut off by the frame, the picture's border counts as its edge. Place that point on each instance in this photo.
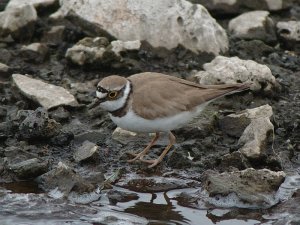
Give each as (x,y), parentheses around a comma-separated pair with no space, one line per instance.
(24,203)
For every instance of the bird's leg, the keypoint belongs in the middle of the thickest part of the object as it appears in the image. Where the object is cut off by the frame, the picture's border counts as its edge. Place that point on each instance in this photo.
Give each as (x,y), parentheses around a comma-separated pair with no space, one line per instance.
(154,162)
(144,152)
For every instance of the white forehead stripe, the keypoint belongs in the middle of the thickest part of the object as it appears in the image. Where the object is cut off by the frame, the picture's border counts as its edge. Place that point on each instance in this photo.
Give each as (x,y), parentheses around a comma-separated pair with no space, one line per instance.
(119,103)
(100,94)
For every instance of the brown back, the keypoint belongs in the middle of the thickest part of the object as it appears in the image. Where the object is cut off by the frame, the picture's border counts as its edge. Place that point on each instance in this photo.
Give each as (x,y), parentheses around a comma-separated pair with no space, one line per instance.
(157,95)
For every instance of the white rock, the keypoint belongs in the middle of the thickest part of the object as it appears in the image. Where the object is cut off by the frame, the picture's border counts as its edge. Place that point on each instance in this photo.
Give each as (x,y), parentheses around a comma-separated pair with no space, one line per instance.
(255,113)
(163,24)
(13,21)
(255,137)
(289,30)
(253,25)
(35,3)
(123,136)
(121,46)
(224,70)
(89,50)
(240,6)
(47,95)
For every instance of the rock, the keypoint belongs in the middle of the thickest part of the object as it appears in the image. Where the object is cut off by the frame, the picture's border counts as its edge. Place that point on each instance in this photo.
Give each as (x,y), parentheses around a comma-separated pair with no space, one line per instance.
(35,3)
(253,126)
(224,70)
(92,51)
(137,183)
(253,25)
(239,6)
(35,52)
(255,137)
(184,23)
(235,124)
(30,168)
(55,35)
(4,70)
(18,22)
(36,124)
(116,196)
(123,136)
(232,126)
(251,186)
(64,180)
(60,114)
(47,95)
(86,151)
(123,46)
(289,33)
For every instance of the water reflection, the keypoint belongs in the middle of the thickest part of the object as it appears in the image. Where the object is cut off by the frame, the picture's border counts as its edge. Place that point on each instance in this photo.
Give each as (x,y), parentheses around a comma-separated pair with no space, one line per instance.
(155,211)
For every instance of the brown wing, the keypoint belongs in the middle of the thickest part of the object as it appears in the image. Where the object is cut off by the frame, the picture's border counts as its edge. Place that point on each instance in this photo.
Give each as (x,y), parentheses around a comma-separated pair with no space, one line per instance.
(157,95)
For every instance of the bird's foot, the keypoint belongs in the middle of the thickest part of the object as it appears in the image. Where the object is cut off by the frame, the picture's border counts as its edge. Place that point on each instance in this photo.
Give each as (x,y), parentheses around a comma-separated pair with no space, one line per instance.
(153,162)
(136,156)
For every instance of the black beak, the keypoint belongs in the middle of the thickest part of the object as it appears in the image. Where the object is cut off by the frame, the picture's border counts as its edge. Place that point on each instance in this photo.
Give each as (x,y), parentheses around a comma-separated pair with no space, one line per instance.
(95,103)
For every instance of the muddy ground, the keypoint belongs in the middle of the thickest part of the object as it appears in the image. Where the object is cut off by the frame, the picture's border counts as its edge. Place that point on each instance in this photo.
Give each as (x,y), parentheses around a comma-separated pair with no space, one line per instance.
(206,139)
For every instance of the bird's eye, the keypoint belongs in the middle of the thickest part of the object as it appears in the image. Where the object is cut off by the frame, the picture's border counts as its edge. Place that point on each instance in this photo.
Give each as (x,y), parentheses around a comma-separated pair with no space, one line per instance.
(112,94)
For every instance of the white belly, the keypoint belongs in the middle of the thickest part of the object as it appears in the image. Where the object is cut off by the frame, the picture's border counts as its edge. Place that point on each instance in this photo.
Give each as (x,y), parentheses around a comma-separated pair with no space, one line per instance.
(134,123)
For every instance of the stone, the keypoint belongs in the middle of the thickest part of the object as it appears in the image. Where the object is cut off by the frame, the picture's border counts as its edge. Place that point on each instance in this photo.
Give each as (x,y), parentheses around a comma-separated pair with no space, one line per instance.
(255,137)
(253,25)
(252,186)
(123,136)
(235,124)
(224,70)
(47,95)
(55,35)
(4,70)
(35,3)
(36,124)
(30,168)
(18,22)
(124,46)
(65,180)
(138,183)
(185,24)
(60,114)
(254,128)
(86,151)
(92,51)
(289,30)
(239,6)
(116,196)
(36,52)
(289,33)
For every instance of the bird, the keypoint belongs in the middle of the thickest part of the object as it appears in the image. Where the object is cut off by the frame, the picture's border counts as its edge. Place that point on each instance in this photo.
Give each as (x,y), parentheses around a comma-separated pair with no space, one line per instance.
(151,102)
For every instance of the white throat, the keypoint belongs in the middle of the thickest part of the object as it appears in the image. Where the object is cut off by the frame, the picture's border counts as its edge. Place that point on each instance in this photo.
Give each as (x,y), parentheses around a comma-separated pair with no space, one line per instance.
(117,104)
